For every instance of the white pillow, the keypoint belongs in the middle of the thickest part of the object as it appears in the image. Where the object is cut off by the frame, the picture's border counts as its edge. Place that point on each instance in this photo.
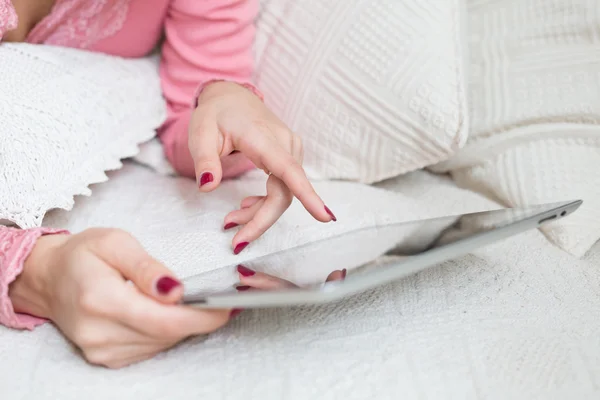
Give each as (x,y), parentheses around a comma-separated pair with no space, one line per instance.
(535,110)
(375,88)
(66,116)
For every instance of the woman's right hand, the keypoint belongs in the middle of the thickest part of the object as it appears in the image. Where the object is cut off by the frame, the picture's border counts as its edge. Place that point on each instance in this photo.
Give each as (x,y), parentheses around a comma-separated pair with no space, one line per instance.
(80,282)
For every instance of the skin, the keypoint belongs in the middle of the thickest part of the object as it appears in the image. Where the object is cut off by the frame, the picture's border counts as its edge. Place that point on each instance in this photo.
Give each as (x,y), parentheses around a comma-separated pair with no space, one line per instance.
(82,282)
(30,13)
(231,118)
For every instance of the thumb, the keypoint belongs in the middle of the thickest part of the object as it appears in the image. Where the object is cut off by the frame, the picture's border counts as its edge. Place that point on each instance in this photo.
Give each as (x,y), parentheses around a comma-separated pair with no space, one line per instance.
(206,145)
(125,254)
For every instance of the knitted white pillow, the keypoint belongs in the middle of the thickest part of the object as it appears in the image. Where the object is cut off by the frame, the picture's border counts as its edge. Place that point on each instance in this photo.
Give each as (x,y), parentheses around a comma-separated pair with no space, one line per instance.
(535,109)
(375,88)
(66,116)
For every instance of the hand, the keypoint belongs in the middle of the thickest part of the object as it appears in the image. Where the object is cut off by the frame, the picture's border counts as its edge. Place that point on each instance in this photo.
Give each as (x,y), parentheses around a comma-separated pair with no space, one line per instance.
(254,280)
(231,118)
(80,283)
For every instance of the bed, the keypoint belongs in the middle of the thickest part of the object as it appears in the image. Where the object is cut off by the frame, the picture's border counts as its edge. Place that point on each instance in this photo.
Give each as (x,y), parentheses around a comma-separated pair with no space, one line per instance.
(517,319)
(514,320)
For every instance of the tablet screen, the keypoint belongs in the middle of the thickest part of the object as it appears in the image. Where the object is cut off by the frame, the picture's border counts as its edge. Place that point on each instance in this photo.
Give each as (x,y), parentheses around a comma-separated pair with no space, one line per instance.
(363,250)
(366,246)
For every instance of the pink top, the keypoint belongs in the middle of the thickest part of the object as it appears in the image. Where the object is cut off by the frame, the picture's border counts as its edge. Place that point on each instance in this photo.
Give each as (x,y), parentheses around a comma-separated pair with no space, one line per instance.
(204,40)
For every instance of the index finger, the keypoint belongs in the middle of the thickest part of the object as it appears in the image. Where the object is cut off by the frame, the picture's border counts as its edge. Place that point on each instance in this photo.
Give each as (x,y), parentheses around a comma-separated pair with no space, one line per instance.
(265,152)
(163,321)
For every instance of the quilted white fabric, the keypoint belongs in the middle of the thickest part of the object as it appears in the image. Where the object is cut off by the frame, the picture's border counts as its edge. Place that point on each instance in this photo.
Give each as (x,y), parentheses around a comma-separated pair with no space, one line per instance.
(375,88)
(67,116)
(535,110)
(515,320)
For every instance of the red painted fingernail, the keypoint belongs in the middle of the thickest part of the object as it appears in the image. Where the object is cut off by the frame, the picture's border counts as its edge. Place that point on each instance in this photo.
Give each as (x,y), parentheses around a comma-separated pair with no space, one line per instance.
(242,288)
(240,246)
(344,272)
(235,312)
(328,211)
(245,271)
(206,177)
(165,284)
(230,225)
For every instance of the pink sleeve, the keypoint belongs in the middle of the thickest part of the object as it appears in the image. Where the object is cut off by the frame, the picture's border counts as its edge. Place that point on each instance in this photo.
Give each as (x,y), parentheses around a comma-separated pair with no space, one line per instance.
(205,40)
(15,247)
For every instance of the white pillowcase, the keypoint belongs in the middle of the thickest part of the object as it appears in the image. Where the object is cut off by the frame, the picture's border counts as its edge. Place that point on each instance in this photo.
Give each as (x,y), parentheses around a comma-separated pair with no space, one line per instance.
(375,88)
(66,116)
(535,108)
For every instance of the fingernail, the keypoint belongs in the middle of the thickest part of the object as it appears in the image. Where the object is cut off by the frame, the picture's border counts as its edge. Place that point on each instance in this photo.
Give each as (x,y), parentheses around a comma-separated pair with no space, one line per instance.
(235,312)
(206,177)
(328,211)
(245,271)
(344,272)
(242,288)
(165,284)
(241,246)
(230,225)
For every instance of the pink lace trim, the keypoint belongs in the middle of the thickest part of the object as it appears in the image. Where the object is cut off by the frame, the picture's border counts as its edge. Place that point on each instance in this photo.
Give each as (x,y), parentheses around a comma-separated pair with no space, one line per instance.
(8,17)
(15,247)
(77,23)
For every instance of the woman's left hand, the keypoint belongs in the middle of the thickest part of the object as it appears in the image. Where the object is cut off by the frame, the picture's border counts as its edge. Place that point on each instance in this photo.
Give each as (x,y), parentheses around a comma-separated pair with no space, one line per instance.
(229,118)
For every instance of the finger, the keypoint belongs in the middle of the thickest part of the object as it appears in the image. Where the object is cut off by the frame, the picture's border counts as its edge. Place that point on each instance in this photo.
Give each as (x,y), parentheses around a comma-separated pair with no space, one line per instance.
(169,322)
(235,164)
(91,332)
(243,216)
(274,205)
(250,201)
(206,144)
(261,281)
(124,253)
(147,352)
(261,218)
(116,357)
(336,276)
(266,153)
(297,149)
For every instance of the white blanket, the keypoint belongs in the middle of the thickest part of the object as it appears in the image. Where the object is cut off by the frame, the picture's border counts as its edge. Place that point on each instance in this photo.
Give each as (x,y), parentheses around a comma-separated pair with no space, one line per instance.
(517,319)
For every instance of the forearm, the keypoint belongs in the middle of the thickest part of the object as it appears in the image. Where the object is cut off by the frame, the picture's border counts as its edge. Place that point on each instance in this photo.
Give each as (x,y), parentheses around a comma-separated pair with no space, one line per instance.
(206,40)
(18,305)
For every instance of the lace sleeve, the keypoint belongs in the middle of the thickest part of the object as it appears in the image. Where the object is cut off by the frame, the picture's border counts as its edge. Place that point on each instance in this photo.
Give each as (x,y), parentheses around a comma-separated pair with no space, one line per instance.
(15,247)
(8,17)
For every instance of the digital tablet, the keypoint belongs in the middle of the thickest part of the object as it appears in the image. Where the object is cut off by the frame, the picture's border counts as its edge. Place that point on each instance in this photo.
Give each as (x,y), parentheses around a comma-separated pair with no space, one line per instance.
(381,254)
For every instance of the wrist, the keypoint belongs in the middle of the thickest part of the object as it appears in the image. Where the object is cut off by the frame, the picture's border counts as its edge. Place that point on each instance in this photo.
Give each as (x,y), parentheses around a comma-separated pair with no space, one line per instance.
(216,87)
(30,292)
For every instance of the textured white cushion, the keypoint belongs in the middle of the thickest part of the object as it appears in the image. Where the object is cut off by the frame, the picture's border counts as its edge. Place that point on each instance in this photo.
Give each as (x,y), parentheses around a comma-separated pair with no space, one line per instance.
(375,88)
(535,110)
(66,116)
